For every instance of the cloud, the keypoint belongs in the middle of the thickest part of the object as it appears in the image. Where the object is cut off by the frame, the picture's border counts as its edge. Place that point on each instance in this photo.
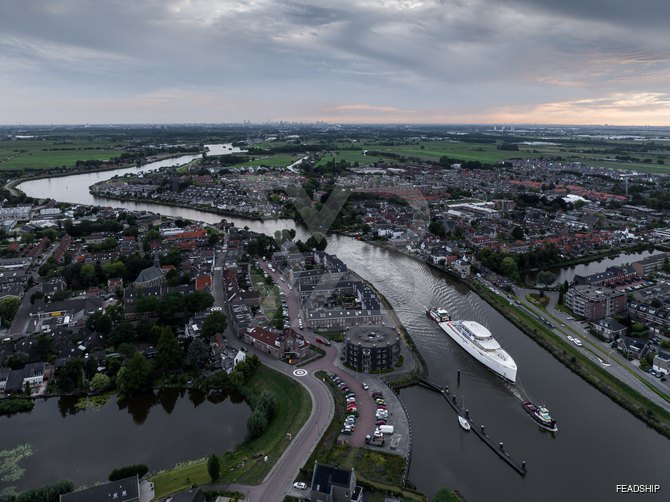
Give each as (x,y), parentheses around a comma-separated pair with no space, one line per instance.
(403,59)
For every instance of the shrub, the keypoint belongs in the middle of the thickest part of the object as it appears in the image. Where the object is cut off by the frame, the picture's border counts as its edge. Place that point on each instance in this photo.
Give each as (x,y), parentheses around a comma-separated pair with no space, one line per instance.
(128,471)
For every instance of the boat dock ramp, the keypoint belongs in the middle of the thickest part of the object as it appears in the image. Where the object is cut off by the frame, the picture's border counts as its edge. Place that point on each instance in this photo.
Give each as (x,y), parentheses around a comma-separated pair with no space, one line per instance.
(519,467)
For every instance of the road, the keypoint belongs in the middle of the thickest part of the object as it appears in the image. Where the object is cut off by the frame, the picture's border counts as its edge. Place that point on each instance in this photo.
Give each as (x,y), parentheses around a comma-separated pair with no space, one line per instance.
(594,349)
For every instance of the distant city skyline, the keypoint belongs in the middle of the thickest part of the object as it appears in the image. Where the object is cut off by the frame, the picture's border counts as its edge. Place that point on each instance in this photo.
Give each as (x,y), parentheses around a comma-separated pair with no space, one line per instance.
(351,61)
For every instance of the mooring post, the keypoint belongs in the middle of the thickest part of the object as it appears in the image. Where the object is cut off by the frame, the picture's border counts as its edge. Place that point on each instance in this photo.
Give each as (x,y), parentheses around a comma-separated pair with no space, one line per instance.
(458,376)
(501,446)
(523,465)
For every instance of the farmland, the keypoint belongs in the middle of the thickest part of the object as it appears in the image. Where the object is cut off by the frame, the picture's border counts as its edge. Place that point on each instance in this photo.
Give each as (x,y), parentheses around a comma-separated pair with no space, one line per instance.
(38,154)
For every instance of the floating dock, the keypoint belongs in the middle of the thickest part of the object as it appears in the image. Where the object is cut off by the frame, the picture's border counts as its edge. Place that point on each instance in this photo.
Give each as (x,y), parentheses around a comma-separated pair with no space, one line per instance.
(519,467)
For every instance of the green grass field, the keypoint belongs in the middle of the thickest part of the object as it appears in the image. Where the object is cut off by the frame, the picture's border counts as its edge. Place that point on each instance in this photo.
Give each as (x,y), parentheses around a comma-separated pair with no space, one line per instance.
(44,154)
(488,153)
(245,464)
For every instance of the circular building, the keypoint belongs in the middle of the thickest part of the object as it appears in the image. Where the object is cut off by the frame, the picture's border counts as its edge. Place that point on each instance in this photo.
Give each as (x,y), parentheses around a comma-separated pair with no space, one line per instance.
(371,348)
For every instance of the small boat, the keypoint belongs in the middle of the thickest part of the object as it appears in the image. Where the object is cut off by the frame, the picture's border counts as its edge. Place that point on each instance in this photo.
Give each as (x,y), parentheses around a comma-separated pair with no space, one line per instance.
(541,416)
(464,423)
(438,315)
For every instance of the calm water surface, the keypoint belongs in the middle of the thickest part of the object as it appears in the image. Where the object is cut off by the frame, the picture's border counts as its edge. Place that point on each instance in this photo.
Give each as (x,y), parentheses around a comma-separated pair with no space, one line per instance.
(157,430)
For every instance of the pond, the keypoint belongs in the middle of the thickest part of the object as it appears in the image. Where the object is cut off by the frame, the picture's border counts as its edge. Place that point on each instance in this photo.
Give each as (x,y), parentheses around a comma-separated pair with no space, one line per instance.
(60,440)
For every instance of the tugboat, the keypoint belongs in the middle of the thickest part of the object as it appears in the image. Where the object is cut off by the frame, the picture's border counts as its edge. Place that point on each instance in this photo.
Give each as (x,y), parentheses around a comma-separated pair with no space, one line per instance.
(438,315)
(541,416)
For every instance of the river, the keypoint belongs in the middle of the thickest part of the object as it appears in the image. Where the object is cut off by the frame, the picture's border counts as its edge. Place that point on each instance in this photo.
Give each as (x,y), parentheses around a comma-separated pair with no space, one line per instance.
(598,445)
(594,267)
(85,446)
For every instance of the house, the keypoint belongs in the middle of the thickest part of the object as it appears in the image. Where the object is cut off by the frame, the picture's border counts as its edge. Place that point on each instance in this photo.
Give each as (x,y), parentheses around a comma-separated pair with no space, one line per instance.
(633,348)
(609,328)
(231,357)
(15,382)
(661,363)
(332,484)
(192,495)
(124,490)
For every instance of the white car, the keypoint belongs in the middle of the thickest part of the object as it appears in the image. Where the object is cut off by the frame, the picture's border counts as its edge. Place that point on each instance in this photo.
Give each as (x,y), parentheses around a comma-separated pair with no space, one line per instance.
(577,342)
(300,485)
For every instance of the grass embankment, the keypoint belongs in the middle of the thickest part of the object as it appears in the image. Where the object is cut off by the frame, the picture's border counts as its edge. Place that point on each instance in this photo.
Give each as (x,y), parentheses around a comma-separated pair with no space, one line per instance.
(376,470)
(245,464)
(621,393)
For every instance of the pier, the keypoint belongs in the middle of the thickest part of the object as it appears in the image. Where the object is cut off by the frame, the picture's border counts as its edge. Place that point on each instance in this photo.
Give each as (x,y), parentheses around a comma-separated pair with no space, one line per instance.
(479,431)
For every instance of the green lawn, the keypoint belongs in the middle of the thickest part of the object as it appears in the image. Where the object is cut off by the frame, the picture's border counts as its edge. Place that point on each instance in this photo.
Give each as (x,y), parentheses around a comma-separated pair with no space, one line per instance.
(44,154)
(245,464)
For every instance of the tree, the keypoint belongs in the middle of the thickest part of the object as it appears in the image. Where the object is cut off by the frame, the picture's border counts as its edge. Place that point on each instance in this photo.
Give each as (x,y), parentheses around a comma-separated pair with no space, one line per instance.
(128,471)
(436,228)
(198,301)
(70,377)
(99,322)
(445,495)
(545,277)
(135,377)
(267,404)
(169,353)
(214,467)
(256,424)
(214,323)
(8,308)
(517,233)
(197,354)
(509,268)
(100,382)
(87,275)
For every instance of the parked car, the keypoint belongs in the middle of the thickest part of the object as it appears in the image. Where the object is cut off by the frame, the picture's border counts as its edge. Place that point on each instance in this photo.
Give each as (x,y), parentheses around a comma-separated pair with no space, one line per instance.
(300,485)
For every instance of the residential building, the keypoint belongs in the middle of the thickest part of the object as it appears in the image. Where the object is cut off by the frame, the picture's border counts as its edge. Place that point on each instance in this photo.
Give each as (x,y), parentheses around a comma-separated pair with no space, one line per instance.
(276,343)
(633,348)
(341,318)
(124,490)
(595,303)
(609,328)
(371,348)
(661,363)
(332,484)
(656,318)
(650,265)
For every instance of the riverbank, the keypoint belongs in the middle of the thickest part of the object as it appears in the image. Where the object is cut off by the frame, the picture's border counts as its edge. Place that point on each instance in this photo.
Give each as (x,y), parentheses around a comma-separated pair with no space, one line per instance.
(12,185)
(621,393)
(194,207)
(246,463)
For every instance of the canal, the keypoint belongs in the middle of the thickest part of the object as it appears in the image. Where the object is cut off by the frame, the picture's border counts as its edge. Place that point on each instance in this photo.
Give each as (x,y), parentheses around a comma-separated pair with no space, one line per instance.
(64,441)
(594,267)
(598,445)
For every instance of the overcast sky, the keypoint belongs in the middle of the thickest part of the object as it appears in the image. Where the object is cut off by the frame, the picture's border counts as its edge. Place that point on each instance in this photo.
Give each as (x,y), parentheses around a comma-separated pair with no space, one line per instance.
(411,61)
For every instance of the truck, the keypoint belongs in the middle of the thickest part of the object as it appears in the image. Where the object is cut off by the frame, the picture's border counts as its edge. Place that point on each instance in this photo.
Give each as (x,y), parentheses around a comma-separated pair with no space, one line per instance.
(386,429)
(374,440)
